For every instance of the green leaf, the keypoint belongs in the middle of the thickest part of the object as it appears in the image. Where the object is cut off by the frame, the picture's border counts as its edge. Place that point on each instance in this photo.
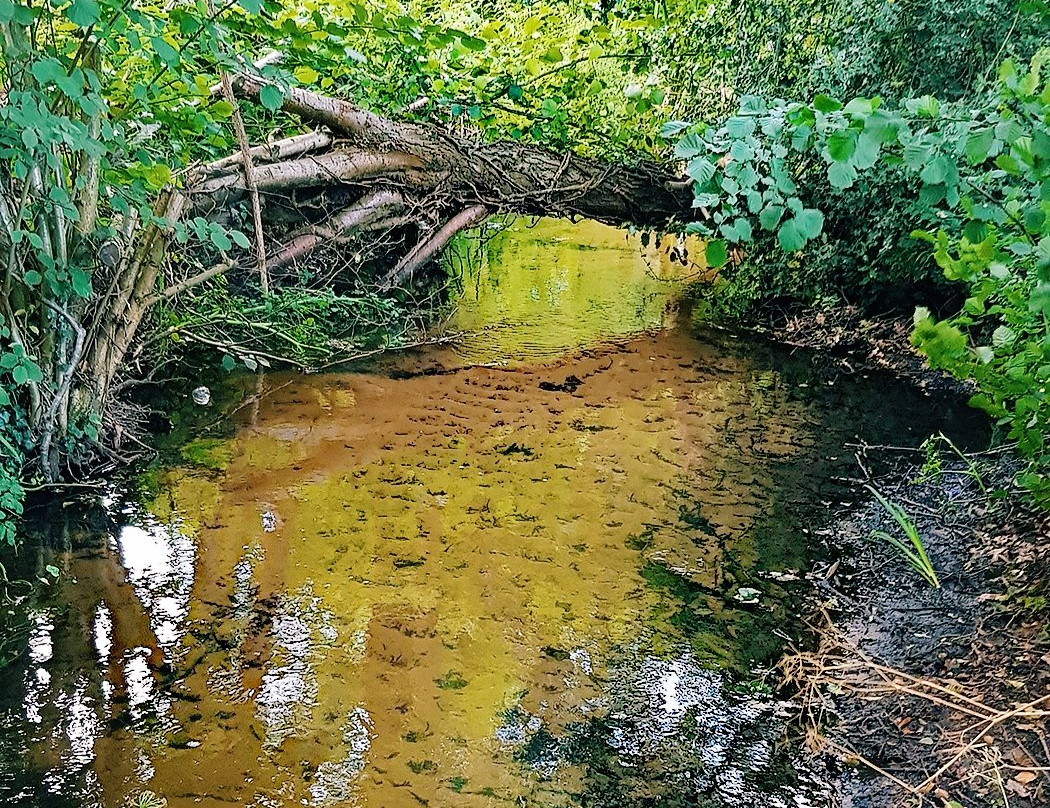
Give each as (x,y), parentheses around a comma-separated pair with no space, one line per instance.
(1009,164)
(221,110)
(861,107)
(826,104)
(740,127)
(31,277)
(305,75)
(1039,301)
(240,239)
(979,145)
(228,362)
(770,217)
(940,171)
(671,128)
(220,239)
(867,153)
(1034,219)
(81,280)
(810,223)
(884,126)
(271,97)
(975,232)
(700,170)
(716,254)
(842,175)
(1003,335)
(158,175)
(83,13)
(943,343)
(48,70)
(842,144)
(917,154)
(165,51)
(927,106)
(251,6)
(789,237)
(472,43)
(690,146)
(743,229)
(741,152)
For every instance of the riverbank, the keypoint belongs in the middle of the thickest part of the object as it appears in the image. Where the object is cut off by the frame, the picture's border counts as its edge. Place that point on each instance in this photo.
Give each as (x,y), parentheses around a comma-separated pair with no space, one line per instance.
(916,695)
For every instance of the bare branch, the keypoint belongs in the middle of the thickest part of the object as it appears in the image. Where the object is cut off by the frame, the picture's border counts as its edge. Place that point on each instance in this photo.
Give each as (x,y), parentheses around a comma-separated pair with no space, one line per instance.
(189,283)
(275,151)
(427,248)
(249,182)
(370,208)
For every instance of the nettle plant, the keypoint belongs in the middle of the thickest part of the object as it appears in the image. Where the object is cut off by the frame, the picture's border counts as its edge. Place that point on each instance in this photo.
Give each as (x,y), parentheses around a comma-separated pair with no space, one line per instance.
(982,171)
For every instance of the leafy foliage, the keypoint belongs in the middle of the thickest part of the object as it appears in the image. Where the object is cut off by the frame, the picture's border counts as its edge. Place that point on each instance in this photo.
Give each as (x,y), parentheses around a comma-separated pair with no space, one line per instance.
(980,174)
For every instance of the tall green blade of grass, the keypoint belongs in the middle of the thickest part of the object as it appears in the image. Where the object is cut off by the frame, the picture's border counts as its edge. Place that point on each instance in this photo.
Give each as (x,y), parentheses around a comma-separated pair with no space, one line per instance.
(915,555)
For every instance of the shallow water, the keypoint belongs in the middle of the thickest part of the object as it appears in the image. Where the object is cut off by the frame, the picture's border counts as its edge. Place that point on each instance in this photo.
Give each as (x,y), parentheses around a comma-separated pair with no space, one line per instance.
(536,569)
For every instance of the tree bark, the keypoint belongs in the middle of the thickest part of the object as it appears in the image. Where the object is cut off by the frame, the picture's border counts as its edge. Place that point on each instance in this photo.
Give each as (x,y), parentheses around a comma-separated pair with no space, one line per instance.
(506,177)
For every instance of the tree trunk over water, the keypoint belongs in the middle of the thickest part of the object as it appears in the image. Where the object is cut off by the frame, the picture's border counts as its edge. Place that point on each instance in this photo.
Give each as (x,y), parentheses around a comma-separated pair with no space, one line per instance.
(358,176)
(366,169)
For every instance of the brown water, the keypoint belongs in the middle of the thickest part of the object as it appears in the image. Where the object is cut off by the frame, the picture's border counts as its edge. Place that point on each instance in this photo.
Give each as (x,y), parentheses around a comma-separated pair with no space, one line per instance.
(519,572)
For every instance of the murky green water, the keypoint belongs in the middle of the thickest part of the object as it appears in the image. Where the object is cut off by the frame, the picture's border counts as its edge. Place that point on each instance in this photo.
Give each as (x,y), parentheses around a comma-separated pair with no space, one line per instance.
(538,568)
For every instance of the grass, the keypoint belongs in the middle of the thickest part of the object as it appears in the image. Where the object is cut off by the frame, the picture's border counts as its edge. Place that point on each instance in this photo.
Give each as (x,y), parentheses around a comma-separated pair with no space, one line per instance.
(913,551)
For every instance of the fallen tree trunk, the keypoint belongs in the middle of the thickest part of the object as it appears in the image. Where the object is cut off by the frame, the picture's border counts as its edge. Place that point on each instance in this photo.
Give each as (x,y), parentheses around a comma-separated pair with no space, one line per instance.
(357,177)
(444,183)
(504,176)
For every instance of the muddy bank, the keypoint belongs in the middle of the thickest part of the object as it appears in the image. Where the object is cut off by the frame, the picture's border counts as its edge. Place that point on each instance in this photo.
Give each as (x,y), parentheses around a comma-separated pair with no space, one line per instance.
(925,696)
(852,341)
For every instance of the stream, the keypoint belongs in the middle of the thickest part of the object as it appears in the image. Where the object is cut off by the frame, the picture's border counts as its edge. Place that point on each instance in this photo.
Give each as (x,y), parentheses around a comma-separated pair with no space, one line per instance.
(549,564)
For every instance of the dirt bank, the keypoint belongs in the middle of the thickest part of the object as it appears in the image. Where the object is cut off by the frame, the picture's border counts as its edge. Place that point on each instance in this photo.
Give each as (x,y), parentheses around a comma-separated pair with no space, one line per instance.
(853,342)
(933,696)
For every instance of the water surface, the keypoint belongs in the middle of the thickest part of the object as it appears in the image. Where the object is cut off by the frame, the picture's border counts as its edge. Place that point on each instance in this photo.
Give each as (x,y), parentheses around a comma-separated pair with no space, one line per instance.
(544,568)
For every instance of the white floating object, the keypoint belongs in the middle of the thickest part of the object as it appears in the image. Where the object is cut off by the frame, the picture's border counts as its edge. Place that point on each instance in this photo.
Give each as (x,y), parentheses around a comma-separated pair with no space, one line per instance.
(201,395)
(746,594)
